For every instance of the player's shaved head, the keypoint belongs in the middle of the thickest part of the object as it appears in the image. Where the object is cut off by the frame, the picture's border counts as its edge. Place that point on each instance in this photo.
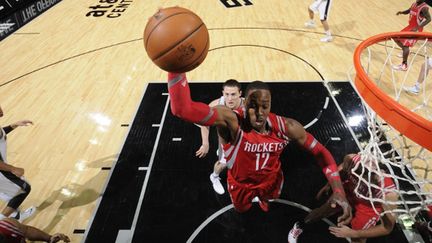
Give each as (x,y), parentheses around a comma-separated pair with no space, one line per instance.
(256,85)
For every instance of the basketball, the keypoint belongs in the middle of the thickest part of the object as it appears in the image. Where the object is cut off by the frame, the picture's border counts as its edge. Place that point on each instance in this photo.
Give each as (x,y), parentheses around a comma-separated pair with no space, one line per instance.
(176,39)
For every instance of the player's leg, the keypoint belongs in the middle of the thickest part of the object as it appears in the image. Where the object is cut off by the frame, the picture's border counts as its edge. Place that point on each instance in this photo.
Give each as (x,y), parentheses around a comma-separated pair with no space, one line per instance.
(405,44)
(405,53)
(16,191)
(424,71)
(324,10)
(328,36)
(215,179)
(315,215)
(17,200)
(8,190)
(311,14)
(311,10)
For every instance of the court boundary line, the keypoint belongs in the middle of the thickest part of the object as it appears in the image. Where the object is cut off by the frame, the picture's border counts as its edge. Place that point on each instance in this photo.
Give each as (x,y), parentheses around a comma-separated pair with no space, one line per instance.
(114,164)
(150,165)
(329,90)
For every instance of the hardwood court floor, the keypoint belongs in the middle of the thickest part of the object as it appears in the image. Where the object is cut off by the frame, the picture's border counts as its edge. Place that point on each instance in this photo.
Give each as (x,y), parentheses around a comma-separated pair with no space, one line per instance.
(80,78)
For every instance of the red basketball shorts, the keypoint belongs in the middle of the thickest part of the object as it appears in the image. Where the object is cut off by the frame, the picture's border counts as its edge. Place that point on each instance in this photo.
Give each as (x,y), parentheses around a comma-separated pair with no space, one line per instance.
(242,195)
(409,42)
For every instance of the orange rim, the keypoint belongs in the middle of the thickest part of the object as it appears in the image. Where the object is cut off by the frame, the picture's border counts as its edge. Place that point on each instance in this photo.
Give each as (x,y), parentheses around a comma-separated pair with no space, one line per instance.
(405,121)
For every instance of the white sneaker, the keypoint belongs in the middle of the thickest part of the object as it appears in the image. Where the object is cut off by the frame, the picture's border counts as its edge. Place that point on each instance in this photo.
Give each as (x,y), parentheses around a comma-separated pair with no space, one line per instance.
(327,38)
(400,67)
(413,89)
(310,24)
(294,233)
(217,185)
(26,214)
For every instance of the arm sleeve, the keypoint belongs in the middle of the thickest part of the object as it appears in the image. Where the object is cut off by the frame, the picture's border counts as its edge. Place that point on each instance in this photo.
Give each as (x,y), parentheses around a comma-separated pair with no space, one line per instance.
(323,156)
(183,106)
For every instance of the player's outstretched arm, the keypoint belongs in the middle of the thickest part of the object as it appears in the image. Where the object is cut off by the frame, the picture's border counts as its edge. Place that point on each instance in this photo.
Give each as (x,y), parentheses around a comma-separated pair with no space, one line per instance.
(405,12)
(35,234)
(185,108)
(205,131)
(326,161)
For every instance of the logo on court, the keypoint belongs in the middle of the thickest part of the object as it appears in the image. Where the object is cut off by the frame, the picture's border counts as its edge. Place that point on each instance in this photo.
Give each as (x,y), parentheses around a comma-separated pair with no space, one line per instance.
(109,8)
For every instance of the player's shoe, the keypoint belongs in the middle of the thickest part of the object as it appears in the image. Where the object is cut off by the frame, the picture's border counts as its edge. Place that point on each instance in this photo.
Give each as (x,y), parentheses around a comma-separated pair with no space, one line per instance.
(401,67)
(217,185)
(327,38)
(294,233)
(413,89)
(21,216)
(310,24)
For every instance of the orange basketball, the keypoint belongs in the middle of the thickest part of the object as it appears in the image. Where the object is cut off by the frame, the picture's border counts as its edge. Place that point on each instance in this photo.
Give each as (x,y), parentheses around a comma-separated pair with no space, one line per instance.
(176,39)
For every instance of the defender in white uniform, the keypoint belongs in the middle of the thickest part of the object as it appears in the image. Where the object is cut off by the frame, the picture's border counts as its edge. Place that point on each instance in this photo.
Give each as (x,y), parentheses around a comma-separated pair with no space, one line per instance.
(13,187)
(231,97)
(323,8)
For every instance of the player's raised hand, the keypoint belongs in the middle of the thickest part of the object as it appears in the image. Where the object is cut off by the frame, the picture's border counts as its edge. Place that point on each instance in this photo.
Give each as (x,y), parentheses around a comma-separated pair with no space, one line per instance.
(202,151)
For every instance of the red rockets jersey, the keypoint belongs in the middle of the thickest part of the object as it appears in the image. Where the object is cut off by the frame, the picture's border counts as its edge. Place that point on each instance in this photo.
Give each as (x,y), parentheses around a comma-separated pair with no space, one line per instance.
(253,159)
(415,18)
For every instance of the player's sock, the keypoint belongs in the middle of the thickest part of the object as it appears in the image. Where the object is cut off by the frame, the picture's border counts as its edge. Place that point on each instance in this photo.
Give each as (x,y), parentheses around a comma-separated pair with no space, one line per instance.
(328,33)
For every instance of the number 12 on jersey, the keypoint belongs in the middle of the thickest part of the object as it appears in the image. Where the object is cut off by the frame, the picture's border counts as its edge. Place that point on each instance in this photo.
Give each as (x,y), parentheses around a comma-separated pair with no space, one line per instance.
(261,159)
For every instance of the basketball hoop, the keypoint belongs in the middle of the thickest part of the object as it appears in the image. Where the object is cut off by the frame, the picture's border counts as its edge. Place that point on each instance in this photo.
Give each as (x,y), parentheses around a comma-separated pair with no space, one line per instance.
(399,125)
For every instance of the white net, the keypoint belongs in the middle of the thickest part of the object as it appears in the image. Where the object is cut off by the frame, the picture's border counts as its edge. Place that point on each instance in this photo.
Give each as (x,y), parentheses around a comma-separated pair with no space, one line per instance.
(389,153)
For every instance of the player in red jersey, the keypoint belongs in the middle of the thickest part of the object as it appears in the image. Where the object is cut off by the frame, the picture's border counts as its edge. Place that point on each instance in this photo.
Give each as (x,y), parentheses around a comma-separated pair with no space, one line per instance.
(12,231)
(363,224)
(253,140)
(419,17)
